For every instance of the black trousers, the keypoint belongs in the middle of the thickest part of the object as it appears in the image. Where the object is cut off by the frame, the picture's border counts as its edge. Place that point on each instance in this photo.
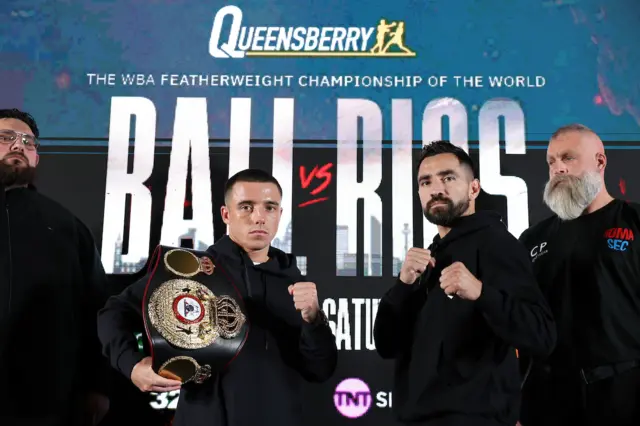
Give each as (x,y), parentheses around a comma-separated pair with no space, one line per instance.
(565,399)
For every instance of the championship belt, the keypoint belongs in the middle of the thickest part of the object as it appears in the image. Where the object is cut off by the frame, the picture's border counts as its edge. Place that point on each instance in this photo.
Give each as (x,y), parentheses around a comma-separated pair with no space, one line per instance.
(194,316)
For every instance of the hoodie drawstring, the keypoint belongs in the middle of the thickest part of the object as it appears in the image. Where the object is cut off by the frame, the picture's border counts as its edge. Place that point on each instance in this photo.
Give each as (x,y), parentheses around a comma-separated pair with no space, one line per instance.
(247,280)
(250,294)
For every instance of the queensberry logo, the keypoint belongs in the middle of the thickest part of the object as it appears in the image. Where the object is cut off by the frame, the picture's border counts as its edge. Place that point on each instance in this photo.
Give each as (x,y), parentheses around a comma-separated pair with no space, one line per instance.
(279,41)
(618,238)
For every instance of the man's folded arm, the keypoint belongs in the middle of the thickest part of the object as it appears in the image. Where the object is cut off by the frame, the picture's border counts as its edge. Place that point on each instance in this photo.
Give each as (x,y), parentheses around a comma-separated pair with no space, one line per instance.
(118,322)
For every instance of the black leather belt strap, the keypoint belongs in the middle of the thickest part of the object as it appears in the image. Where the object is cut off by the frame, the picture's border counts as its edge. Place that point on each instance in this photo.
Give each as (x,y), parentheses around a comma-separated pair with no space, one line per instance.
(607,371)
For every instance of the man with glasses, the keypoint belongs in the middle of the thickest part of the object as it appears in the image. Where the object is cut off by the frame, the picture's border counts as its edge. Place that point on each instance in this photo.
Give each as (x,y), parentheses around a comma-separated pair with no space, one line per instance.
(51,286)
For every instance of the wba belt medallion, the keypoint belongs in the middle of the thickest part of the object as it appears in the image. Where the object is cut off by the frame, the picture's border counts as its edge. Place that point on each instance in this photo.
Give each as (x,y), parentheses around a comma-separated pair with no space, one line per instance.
(194,315)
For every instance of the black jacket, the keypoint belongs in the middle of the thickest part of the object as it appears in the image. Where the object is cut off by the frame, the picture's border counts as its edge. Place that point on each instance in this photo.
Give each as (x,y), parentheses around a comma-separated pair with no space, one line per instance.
(589,271)
(52,284)
(263,384)
(457,357)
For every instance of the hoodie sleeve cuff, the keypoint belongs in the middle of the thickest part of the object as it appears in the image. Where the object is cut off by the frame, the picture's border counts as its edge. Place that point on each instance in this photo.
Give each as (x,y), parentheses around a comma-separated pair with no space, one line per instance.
(490,299)
(312,327)
(400,292)
(320,323)
(317,333)
(128,360)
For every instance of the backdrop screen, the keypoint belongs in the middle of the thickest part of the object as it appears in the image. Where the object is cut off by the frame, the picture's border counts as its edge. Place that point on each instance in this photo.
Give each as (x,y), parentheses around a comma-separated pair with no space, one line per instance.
(147,107)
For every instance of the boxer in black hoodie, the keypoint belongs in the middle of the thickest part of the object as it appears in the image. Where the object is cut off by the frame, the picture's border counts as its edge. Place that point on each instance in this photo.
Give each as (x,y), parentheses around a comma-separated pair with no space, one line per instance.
(460,309)
(289,340)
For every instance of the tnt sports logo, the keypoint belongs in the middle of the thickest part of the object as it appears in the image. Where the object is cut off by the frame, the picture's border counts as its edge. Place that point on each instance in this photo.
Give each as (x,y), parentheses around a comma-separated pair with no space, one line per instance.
(276,41)
(352,398)
(618,238)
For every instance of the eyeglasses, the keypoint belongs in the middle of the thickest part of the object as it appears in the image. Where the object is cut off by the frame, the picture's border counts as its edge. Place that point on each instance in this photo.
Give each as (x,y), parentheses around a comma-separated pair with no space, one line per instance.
(9,137)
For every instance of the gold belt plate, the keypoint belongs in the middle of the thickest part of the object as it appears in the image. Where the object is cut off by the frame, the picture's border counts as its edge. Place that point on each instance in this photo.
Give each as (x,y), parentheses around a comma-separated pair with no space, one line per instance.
(190,316)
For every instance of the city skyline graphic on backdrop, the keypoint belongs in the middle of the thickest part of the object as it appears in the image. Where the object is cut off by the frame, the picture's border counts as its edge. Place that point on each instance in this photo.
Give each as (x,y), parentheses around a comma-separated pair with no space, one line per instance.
(346,261)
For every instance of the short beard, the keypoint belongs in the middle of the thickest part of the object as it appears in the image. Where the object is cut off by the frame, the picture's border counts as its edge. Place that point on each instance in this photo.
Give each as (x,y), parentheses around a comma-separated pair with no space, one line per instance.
(569,196)
(445,216)
(12,175)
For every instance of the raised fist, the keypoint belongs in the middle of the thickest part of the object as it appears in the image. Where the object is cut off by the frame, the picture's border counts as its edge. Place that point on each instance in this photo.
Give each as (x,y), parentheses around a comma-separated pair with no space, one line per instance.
(415,263)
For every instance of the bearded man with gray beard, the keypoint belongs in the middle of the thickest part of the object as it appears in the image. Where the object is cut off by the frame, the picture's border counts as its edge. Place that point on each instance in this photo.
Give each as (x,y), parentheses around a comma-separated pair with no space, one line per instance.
(587,263)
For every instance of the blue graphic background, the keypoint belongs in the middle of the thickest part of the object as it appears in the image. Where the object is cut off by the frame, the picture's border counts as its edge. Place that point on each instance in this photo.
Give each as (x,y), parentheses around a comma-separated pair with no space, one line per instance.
(46,49)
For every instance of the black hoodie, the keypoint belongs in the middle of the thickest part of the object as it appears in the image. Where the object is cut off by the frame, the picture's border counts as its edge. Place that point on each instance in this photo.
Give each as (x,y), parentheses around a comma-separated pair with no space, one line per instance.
(455,358)
(263,383)
(52,284)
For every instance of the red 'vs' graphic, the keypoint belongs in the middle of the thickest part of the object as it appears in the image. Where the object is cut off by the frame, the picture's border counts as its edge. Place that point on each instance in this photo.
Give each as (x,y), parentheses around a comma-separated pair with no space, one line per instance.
(318,173)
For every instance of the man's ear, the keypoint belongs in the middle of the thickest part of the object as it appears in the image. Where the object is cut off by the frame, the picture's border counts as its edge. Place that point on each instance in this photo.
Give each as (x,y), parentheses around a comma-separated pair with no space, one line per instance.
(224,212)
(474,189)
(601,160)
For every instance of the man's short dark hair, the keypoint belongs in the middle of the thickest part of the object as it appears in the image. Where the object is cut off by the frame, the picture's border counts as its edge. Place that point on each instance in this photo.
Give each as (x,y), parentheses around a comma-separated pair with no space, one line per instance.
(250,175)
(25,117)
(574,127)
(446,147)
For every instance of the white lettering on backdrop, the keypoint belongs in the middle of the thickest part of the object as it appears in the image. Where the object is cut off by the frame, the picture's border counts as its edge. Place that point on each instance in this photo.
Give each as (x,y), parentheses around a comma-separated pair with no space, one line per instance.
(190,138)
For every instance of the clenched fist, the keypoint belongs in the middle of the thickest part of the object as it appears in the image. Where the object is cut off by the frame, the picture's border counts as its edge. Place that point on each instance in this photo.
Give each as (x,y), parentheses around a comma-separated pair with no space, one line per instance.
(415,263)
(456,279)
(305,299)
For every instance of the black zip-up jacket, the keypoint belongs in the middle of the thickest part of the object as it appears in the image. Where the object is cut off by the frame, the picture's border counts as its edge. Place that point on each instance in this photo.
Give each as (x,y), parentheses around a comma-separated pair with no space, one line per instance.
(263,384)
(52,284)
(455,359)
